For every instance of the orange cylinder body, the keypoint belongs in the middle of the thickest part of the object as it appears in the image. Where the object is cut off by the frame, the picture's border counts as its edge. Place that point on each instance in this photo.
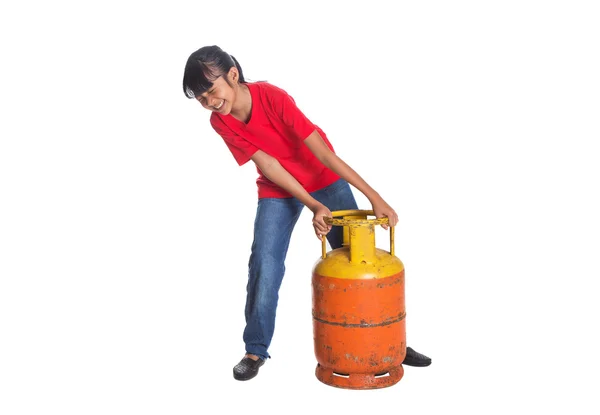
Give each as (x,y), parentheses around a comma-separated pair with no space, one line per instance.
(359,316)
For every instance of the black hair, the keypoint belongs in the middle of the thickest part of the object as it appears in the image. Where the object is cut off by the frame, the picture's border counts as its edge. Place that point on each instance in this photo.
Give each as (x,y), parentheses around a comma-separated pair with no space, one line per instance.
(204,66)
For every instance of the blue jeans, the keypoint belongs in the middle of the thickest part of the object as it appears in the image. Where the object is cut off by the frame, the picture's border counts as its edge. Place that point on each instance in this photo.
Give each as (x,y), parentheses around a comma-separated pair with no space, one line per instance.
(273,226)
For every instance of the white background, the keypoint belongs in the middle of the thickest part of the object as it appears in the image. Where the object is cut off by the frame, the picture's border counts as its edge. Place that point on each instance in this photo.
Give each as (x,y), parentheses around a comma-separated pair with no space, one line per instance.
(126,224)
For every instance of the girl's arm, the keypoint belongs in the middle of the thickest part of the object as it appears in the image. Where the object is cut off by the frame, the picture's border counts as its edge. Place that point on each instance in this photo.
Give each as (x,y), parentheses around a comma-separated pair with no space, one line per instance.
(318,147)
(275,172)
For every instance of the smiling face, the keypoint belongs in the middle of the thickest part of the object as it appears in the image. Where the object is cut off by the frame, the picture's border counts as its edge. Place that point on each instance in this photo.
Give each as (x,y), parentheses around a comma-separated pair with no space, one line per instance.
(222,95)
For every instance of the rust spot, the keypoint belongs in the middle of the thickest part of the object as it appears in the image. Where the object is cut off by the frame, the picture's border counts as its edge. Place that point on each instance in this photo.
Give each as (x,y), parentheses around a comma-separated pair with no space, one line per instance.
(398,280)
(350,357)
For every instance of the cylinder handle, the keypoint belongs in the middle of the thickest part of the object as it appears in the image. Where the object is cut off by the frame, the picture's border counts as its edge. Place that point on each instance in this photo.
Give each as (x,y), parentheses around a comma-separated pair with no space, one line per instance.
(335,221)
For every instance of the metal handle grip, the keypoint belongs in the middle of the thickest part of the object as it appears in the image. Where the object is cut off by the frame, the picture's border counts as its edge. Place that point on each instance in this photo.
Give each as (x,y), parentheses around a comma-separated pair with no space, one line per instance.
(355,222)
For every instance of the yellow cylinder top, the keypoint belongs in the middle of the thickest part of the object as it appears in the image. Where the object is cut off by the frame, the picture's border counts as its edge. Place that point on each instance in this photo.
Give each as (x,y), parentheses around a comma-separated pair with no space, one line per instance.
(337,264)
(358,258)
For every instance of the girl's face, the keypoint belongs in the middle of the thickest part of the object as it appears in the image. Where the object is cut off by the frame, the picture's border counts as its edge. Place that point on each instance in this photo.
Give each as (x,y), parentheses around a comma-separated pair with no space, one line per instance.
(221,96)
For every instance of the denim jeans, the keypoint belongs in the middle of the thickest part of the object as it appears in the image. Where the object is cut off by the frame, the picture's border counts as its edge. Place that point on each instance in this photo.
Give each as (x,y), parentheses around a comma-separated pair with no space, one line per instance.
(273,226)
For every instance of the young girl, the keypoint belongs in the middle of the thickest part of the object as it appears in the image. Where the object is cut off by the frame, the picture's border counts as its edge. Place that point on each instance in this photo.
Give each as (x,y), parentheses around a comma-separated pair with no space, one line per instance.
(297,166)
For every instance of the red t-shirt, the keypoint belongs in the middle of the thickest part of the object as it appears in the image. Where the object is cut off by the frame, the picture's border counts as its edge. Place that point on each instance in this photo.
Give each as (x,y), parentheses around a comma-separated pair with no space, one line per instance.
(278,128)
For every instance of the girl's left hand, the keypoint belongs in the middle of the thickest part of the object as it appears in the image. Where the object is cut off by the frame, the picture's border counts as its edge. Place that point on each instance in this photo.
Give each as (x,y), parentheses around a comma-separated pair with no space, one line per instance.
(382,209)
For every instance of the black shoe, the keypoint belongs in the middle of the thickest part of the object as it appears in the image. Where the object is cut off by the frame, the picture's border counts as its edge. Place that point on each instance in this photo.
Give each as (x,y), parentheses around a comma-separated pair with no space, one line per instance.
(247,368)
(415,358)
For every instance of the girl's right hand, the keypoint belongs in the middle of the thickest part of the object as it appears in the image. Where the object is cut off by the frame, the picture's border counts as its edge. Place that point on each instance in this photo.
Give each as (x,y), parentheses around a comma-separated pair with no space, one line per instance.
(321,228)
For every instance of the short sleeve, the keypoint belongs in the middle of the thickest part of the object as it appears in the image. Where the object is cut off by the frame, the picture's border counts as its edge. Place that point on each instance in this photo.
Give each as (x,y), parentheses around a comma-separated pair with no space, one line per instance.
(286,109)
(241,149)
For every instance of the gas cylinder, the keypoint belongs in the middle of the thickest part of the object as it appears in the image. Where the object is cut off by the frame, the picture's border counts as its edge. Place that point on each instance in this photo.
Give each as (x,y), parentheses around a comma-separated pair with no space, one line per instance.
(358,307)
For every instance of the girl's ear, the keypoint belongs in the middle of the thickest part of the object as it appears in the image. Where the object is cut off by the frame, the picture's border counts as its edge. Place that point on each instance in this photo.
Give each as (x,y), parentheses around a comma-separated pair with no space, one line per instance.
(233,75)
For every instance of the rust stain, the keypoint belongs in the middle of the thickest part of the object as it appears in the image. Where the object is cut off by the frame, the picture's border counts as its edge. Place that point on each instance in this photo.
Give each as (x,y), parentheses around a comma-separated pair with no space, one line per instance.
(354,358)
(373,360)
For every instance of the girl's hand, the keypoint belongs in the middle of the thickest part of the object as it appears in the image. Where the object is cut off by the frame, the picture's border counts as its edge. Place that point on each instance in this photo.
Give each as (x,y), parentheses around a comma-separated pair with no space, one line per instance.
(382,209)
(321,228)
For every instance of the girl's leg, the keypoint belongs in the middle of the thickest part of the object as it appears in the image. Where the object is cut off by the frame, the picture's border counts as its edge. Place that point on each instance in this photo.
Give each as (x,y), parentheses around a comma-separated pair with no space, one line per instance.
(275,220)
